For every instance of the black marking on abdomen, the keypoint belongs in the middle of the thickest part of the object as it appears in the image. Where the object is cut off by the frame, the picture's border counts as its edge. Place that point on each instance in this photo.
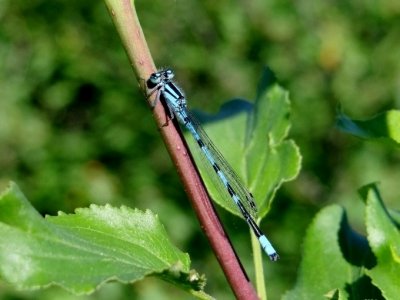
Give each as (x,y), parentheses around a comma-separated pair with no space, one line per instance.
(216,168)
(230,190)
(200,142)
(254,226)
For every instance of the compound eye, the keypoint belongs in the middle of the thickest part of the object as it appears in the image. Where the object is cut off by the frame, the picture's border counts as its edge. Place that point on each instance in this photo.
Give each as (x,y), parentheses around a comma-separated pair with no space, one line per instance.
(169,74)
(155,78)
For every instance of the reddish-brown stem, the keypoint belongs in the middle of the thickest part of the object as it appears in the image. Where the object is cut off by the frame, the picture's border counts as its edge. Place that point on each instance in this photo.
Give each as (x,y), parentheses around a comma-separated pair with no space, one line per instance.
(124,16)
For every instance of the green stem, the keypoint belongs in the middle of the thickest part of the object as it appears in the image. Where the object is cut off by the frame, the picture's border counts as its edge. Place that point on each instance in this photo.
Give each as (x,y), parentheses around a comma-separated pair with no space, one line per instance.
(258,267)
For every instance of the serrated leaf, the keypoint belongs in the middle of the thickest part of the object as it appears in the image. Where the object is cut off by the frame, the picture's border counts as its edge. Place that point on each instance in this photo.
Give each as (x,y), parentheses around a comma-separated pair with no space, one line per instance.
(252,139)
(384,238)
(385,126)
(83,250)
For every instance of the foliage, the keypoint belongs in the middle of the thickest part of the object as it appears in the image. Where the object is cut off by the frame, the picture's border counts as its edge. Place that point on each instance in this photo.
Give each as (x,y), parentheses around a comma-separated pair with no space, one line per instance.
(257,134)
(74,129)
(345,263)
(385,126)
(83,250)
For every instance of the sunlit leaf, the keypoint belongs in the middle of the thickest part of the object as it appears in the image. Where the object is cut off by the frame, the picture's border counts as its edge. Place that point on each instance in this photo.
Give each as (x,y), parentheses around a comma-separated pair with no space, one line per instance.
(334,260)
(323,268)
(384,238)
(83,250)
(385,126)
(253,140)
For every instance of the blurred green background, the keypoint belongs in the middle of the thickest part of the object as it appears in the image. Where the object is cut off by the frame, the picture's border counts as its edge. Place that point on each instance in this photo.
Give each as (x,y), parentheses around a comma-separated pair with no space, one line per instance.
(75,129)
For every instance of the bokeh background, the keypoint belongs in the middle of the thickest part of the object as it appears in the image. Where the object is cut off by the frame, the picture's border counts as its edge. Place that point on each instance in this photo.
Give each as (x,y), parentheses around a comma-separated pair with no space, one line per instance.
(75,129)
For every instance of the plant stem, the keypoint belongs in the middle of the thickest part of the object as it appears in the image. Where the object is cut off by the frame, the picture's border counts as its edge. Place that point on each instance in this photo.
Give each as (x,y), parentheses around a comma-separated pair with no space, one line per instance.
(125,19)
(258,267)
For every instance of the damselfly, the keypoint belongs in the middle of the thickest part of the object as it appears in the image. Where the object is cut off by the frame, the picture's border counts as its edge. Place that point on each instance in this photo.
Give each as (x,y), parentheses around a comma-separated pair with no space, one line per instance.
(161,82)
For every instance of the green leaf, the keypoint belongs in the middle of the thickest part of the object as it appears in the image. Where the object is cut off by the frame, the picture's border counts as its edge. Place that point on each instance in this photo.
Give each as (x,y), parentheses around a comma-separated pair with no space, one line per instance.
(323,269)
(252,139)
(334,261)
(271,158)
(83,250)
(385,126)
(384,238)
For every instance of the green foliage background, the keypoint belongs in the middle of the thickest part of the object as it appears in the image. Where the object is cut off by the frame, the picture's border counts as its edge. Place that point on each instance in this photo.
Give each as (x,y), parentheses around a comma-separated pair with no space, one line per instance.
(75,130)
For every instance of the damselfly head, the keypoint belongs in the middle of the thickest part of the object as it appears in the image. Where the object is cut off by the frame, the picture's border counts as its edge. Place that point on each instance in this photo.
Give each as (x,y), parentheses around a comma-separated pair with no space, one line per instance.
(161,76)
